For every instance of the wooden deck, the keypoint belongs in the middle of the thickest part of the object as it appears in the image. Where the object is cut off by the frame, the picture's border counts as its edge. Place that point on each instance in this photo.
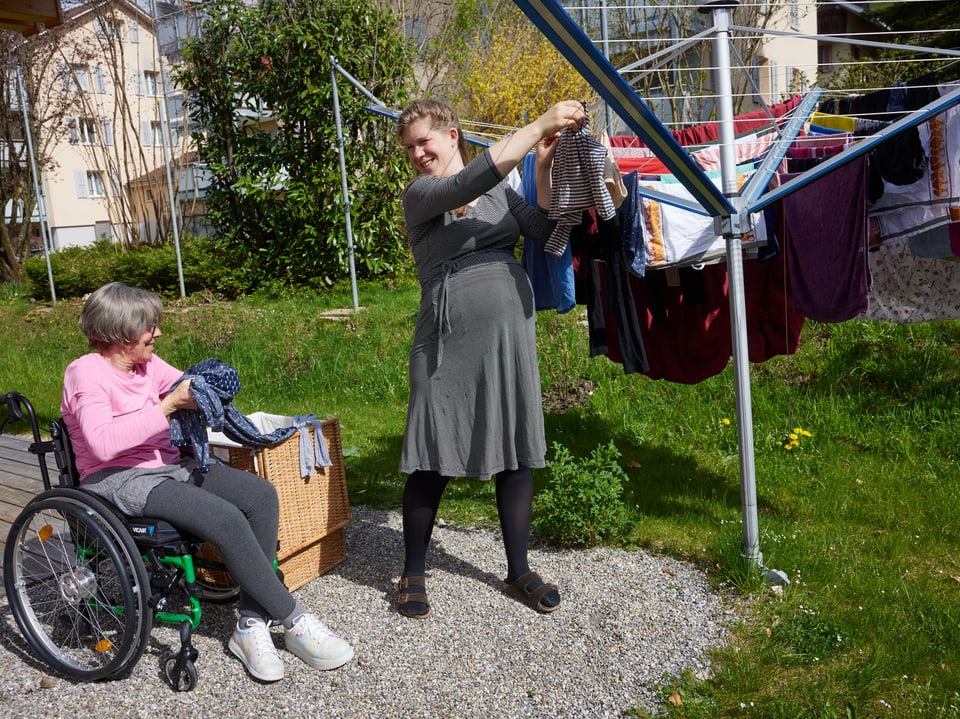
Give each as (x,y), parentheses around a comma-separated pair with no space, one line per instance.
(19,482)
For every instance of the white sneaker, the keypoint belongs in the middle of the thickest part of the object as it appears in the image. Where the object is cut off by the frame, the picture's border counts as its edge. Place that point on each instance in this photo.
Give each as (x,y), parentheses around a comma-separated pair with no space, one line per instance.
(255,648)
(310,640)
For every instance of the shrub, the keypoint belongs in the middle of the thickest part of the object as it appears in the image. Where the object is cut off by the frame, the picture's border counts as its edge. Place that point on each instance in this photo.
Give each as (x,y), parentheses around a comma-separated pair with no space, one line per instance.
(78,271)
(582,504)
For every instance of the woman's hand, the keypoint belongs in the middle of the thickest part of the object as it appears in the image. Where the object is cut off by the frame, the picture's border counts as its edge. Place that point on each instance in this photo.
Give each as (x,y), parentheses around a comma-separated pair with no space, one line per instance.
(546,149)
(568,113)
(508,152)
(179,398)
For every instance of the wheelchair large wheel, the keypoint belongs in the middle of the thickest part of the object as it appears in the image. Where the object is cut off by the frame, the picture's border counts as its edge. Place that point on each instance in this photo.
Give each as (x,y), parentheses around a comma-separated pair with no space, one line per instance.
(77,585)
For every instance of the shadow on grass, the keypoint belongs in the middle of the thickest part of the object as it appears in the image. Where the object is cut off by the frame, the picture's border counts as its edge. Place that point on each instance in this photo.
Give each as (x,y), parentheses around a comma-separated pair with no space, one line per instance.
(662,483)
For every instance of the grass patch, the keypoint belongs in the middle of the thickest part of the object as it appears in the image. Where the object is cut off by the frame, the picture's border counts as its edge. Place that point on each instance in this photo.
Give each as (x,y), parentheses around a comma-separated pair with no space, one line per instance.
(860,514)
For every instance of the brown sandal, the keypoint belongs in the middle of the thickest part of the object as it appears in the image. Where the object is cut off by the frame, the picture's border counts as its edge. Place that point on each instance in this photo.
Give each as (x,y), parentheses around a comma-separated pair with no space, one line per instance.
(404,596)
(533,598)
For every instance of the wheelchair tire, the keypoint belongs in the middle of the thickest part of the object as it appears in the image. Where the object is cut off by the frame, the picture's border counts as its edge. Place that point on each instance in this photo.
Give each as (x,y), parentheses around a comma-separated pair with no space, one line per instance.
(185,680)
(77,585)
(216,593)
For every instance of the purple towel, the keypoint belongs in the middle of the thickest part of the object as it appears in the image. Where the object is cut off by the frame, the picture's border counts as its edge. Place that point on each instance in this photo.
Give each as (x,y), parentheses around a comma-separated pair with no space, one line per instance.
(827,225)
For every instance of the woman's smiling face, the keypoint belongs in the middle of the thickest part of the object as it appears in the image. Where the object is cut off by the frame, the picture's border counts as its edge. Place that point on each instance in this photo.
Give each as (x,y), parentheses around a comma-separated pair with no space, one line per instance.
(432,151)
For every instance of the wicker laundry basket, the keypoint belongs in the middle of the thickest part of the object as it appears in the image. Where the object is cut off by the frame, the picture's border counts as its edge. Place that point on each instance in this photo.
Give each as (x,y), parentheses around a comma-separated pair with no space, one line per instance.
(313,510)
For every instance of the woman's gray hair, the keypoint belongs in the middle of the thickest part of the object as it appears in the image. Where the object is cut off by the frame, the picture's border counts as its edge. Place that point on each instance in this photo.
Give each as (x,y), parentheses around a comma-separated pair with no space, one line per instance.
(117,314)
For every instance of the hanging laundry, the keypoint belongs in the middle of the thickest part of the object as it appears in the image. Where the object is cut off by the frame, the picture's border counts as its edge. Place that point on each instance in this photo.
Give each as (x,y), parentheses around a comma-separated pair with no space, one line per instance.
(843,123)
(675,235)
(934,199)
(631,226)
(747,148)
(577,184)
(940,243)
(683,315)
(908,288)
(608,295)
(826,240)
(550,276)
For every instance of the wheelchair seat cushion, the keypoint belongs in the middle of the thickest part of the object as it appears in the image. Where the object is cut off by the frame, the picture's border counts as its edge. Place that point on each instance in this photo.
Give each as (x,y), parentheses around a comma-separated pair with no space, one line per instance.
(153,532)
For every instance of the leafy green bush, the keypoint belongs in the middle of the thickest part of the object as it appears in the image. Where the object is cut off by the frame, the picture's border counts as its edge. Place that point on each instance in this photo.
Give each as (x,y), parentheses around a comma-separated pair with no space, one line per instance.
(276,197)
(583,502)
(78,271)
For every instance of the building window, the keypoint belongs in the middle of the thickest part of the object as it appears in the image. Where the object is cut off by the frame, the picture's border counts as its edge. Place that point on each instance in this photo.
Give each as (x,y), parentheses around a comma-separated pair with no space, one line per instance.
(88,131)
(415,30)
(80,78)
(103,230)
(95,185)
(89,184)
(156,133)
(109,28)
(151,83)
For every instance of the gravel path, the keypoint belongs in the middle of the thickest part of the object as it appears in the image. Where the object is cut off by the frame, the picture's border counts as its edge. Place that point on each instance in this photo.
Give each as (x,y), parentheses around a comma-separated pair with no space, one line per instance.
(627,618)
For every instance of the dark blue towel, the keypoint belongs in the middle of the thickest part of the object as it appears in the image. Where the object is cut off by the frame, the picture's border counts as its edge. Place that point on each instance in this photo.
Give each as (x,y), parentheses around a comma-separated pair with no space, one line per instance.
(214,384)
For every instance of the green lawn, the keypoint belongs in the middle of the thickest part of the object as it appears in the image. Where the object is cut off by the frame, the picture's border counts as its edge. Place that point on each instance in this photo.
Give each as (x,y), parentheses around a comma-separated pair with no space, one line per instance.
(860,515)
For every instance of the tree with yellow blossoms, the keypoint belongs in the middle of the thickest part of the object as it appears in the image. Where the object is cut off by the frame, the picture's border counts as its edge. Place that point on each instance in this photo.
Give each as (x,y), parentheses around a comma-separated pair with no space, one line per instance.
(513,74)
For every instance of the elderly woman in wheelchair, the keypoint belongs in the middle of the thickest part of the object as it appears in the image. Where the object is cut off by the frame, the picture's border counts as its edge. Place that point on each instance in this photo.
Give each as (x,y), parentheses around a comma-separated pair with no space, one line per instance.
(116,405)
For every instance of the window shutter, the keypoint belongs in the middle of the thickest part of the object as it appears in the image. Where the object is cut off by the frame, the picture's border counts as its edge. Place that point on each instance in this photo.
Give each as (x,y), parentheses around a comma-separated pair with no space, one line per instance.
(73,131)
(99,78)
(80,178)
(133,30)
(64,71)
(146,137)
(107,125)
(135,76)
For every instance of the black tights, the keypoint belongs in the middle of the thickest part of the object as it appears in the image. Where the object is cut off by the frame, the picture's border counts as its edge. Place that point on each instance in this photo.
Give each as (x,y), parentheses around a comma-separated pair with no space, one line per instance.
(421,498)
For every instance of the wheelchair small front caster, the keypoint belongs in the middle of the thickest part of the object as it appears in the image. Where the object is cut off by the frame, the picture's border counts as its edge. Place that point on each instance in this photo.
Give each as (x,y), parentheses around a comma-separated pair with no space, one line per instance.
(184,680)
(178,669)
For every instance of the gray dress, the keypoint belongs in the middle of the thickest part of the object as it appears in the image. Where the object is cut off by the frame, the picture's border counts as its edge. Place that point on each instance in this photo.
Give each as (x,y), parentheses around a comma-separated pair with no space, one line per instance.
(475,405)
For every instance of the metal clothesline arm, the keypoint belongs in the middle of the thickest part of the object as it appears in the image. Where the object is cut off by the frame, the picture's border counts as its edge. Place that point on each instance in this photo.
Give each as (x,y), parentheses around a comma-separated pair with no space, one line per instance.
(855,150)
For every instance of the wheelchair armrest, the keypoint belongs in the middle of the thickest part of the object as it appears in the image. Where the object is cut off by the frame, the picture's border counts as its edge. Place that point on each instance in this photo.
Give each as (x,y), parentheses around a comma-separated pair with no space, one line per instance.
(63,454)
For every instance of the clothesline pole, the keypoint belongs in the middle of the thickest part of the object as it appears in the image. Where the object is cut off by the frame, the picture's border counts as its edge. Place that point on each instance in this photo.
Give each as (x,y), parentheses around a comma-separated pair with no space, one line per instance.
(732,227)
(345,188)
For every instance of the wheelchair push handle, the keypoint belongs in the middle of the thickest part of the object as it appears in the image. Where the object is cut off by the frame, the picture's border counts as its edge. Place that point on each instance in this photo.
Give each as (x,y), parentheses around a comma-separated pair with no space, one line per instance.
(17,405)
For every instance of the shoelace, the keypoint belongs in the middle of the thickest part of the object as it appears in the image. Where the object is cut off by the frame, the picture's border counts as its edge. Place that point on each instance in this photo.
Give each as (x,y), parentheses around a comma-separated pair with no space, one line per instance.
(262,642)
(313,629)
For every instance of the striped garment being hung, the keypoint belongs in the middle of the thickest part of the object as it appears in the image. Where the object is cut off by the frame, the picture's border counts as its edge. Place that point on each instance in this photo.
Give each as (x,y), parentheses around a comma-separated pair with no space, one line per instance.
(578,185)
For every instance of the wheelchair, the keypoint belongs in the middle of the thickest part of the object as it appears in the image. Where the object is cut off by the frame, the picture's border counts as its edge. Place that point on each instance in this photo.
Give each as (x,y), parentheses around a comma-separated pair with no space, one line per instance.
(85,582)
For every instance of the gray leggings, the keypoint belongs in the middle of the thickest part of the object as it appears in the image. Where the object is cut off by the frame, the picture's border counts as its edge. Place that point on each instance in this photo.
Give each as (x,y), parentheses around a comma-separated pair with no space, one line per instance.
(239,513)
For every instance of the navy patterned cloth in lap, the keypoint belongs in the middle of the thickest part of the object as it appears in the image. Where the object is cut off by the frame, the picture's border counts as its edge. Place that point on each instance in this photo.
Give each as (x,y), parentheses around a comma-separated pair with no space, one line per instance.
(214,384)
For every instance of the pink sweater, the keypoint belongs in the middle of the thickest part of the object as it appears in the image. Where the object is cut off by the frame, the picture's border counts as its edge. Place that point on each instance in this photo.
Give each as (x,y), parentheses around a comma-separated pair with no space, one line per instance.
(114,418)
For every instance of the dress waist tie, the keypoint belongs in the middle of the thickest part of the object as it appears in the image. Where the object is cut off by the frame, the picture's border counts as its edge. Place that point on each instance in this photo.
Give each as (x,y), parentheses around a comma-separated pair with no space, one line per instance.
(451,267)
